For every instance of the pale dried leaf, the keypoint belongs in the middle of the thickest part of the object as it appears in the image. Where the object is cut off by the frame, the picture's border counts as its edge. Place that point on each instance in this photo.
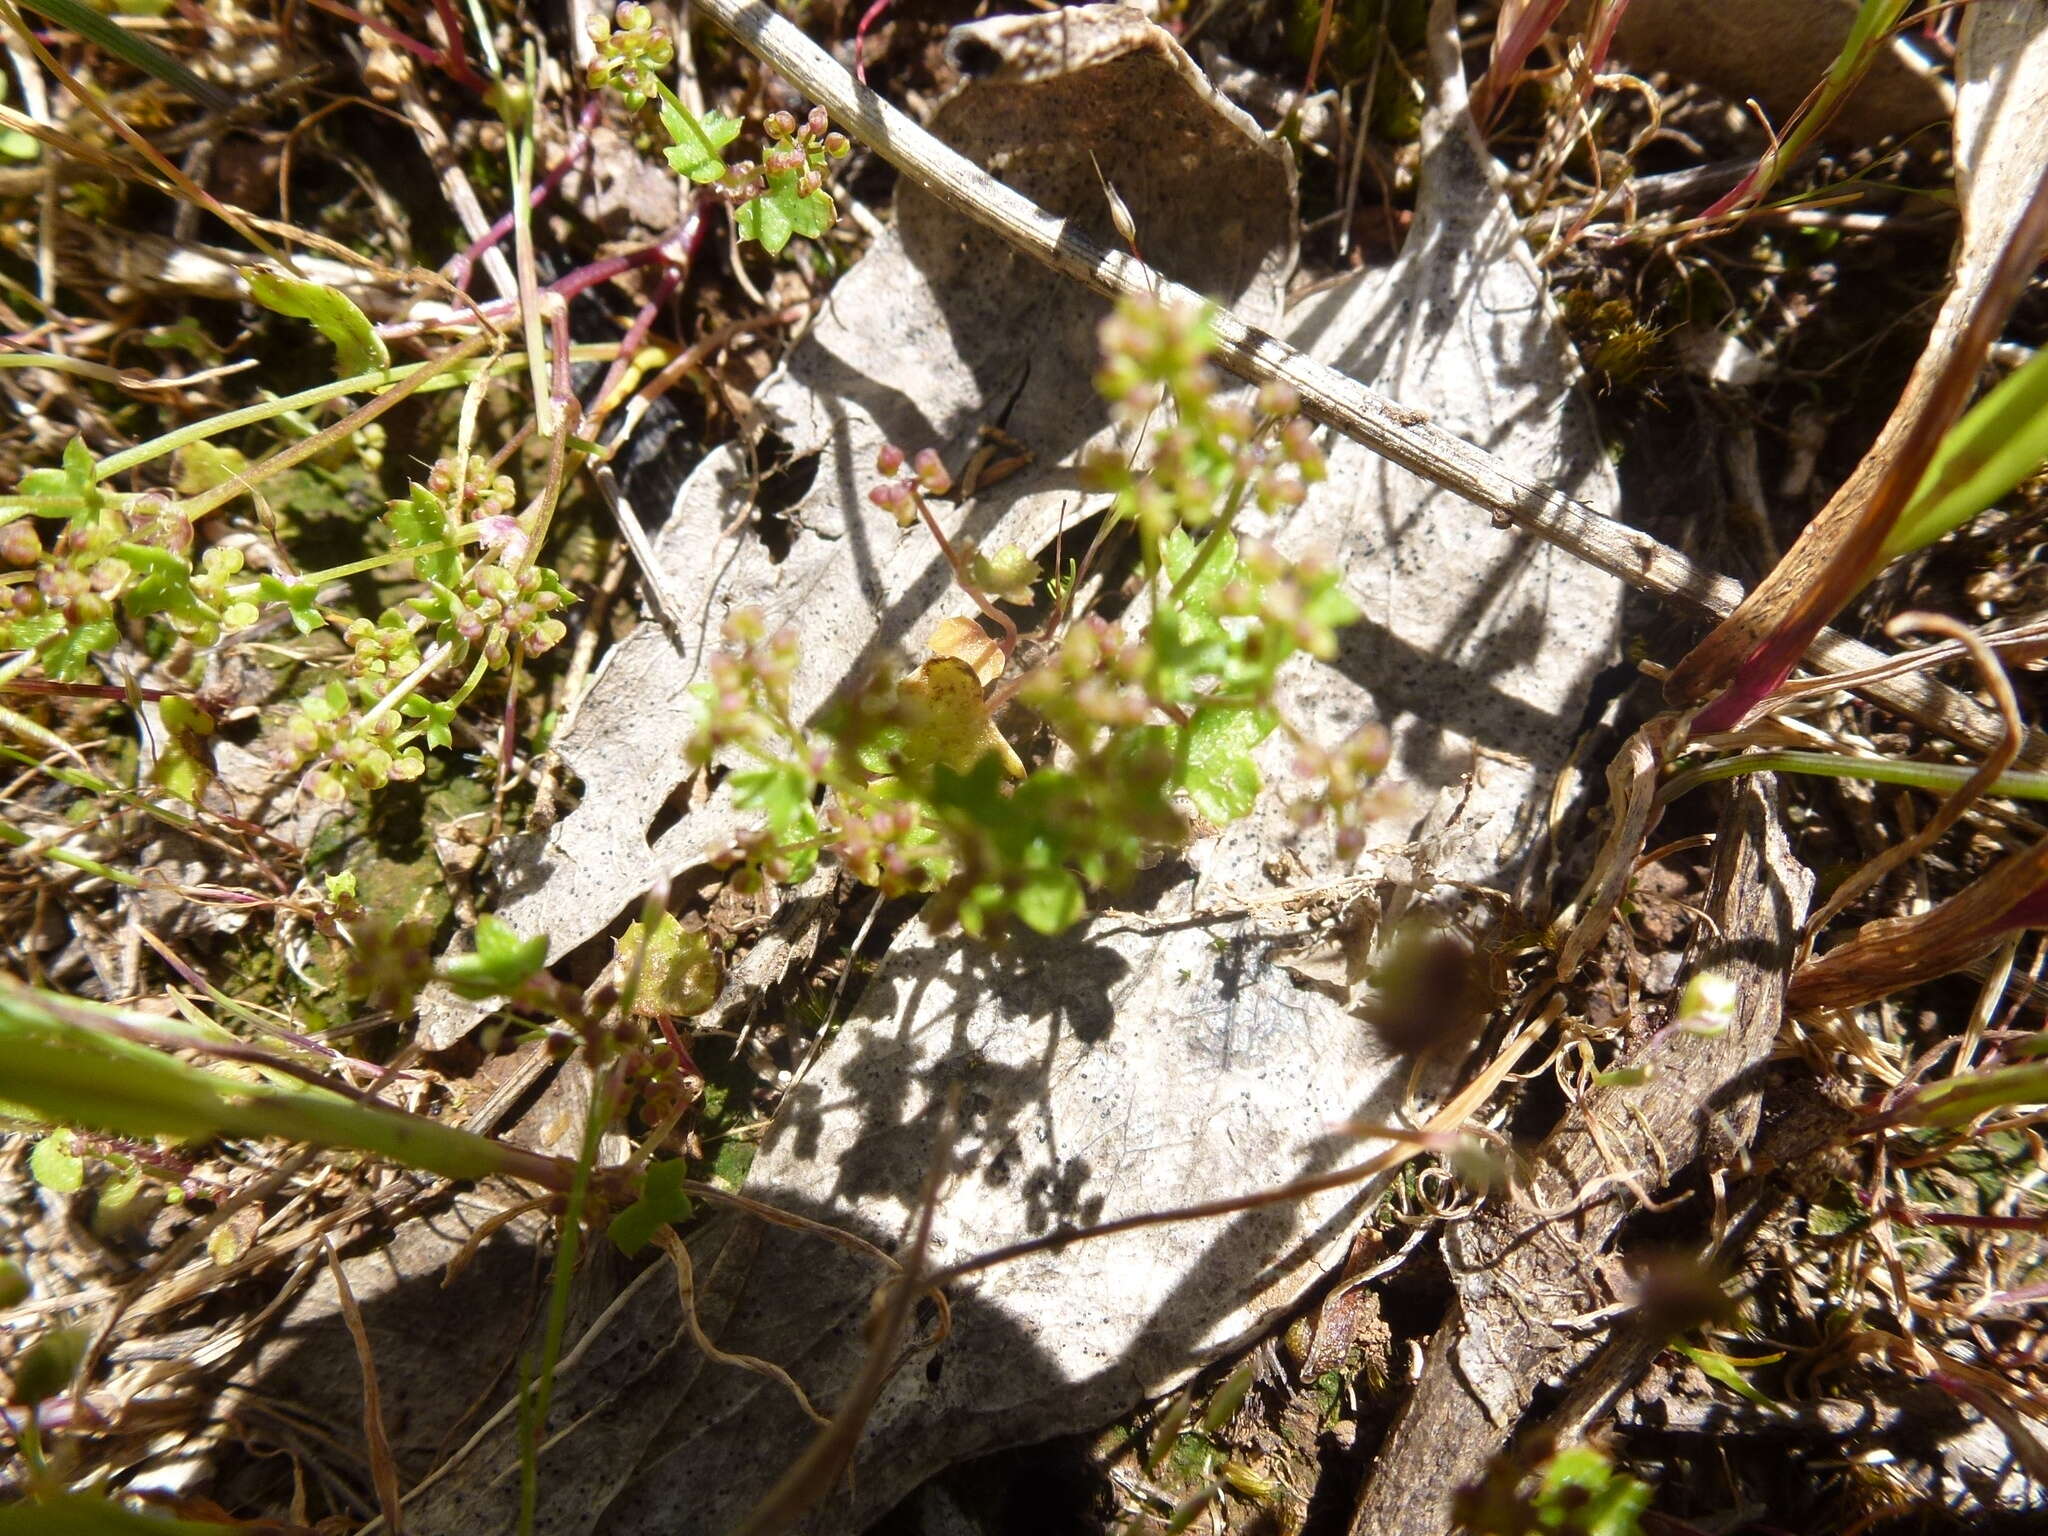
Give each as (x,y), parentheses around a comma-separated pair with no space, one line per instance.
(1156,1055)
(940,330)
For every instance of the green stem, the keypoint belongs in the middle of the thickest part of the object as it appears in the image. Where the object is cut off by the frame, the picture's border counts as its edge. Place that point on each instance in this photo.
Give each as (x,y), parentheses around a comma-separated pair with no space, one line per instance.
(14,837)
(1938,778)
(546,420)
(357,567)
(320,394)
(211,501)
(409,685)
(476,675)
(77,1063)
(1212,541)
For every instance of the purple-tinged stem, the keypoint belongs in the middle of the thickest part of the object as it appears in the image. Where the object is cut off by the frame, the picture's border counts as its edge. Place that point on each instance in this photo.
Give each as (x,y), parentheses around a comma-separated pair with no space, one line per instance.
(463,267)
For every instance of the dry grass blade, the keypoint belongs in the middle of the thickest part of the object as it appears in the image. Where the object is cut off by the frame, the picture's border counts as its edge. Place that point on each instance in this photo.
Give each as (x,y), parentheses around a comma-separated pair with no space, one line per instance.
(1897,952)
(1632,810)
(383,1469)
(686,1293)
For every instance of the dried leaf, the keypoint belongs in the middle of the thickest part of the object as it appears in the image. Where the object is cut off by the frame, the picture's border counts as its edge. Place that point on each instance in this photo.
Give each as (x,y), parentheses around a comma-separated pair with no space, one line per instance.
(969,642)
(1157,1055)
(940,330)
(946,719)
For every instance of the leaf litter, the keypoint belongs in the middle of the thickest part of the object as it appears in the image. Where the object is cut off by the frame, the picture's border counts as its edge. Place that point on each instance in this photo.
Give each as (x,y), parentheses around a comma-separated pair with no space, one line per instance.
(1155,1055)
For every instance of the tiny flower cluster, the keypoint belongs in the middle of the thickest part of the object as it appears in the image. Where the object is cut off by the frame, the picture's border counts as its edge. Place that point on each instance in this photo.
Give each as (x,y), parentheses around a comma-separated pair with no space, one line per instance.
(117,557)
(748,693)
(781,196)
(1347,798)
(1150,718)
(1217,452)
(800,152)
(366,728)
(901,494)
(631,53)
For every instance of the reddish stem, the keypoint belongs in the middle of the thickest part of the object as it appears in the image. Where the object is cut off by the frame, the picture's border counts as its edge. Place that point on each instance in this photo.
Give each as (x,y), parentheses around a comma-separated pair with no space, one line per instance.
(463,267)
(682,246)
(451,25)
(868,18)
(455,67)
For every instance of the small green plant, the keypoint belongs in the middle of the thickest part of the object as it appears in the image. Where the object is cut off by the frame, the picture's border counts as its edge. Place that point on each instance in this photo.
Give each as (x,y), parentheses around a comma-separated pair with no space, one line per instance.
(1576,1491)
(1149,723)
(781,196)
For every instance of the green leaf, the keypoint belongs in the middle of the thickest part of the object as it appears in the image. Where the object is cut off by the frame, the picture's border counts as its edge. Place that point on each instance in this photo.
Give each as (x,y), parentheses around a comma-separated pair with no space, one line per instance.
(76,481)
(198,467)
(66,1064)
(780,212)
(419,523)
(68,658)
(134,48)
(2000,442)
(357,346)
(1050,901)
(436,717)
(47,1366)
(700,153)
(31,633)
(1188,641)
(764,221)
(501,962)
(163,585)
(55,1167)
(781,792)
(301,598)
(662,1203)
(1216,760)
(183,765)
(1582,1492)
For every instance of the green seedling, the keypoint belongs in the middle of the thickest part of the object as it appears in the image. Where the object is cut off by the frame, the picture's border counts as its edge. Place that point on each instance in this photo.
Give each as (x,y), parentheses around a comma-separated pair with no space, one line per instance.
(1158,717)
(781,196)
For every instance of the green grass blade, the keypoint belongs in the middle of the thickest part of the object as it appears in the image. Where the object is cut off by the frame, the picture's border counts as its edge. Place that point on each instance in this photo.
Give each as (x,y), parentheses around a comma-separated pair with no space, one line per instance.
(84,1514)
(138,51)
(70,1062)
(2000,442)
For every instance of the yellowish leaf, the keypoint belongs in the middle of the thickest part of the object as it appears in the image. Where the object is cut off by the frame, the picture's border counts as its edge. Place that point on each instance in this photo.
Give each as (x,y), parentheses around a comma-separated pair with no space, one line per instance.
(969,642)
(947,718)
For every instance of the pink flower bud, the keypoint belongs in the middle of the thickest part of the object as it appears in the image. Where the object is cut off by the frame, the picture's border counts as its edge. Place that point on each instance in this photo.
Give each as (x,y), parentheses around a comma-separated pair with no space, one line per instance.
(931,473)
